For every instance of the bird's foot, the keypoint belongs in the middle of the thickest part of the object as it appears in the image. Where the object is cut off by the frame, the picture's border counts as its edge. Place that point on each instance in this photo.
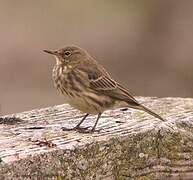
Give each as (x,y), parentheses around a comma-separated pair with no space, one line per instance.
(81,129)
(88,131)
(67,129)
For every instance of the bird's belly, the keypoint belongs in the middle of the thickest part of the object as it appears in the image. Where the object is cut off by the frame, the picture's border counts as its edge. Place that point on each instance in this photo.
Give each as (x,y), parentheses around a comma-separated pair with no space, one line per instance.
(82,105)
(89,105)
(77,100)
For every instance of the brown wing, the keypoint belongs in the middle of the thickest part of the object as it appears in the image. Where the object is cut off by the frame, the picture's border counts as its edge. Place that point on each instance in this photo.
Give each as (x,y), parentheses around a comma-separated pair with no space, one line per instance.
(104,84)
(101,82)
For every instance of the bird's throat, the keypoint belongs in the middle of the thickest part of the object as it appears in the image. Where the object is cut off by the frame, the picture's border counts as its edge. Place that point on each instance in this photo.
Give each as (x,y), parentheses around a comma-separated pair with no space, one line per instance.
(58,61)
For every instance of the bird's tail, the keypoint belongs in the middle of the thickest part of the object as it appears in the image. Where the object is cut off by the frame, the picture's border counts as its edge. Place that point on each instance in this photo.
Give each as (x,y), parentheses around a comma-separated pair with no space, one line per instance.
(141,107)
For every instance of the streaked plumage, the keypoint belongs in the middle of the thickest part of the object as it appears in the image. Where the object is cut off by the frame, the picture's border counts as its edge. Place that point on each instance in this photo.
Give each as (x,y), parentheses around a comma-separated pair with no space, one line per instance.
(87,86)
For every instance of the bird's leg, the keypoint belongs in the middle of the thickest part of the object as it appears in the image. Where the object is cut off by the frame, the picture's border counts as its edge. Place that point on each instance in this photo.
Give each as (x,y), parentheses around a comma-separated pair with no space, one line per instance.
(93,129)
(84,130)
(77,127)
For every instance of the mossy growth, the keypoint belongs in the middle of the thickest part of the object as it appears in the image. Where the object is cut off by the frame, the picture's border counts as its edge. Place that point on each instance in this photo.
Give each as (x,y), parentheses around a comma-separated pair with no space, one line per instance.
(139,156)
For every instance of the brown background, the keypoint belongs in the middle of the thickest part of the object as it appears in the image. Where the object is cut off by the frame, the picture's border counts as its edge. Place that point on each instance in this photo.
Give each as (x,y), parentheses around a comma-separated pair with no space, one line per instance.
(145,44)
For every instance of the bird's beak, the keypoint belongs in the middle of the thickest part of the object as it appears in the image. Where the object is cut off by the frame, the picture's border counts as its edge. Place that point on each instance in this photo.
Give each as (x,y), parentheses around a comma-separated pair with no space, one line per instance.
(51,52)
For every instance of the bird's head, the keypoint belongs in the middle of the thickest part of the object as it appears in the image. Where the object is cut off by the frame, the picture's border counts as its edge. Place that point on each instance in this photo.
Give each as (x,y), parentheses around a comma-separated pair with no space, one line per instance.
(69,55)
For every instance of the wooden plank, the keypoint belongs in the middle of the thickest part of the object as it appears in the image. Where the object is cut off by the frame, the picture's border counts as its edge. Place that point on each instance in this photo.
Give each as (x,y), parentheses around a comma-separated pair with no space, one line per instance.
(130,144)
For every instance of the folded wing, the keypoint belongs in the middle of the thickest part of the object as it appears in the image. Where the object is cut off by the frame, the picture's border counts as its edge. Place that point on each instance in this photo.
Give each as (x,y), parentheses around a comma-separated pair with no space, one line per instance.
(106,85)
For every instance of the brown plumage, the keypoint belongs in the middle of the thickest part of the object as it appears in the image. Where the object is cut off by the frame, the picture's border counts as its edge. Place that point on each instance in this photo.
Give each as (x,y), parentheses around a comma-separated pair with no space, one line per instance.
(87,86)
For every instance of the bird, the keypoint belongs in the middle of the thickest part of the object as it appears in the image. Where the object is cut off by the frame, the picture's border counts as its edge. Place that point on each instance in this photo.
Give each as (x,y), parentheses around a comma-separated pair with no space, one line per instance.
(88,87)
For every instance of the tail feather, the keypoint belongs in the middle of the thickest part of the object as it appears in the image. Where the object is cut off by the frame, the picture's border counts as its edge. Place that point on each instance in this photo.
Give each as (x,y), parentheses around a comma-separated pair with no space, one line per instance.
(141,107)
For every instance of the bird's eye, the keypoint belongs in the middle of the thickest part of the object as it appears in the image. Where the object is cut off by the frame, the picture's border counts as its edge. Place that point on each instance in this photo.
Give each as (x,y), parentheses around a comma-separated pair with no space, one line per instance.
(67,53)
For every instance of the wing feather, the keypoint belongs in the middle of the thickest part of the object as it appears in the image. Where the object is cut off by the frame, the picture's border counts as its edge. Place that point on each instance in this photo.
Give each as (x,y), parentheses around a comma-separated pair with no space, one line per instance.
(103,83)
(100,81)
(126,92)
(108,86)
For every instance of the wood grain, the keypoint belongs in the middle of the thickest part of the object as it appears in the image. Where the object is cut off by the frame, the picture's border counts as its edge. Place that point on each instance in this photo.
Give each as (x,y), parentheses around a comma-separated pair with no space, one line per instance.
(129,144)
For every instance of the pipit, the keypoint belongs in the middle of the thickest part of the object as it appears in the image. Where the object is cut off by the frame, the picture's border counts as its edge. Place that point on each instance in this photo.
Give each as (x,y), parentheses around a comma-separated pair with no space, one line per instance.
(87,86)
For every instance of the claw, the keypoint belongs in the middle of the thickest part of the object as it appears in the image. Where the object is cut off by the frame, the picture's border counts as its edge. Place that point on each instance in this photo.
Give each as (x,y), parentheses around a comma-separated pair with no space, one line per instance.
(89,131)
(67,129)
(80,129)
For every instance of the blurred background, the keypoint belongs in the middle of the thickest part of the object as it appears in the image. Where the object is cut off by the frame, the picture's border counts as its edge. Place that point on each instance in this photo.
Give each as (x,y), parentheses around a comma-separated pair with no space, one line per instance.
(147,45)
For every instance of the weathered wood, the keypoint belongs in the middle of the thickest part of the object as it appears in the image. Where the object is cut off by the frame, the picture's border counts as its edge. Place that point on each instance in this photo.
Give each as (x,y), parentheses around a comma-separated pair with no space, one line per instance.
(130,145)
